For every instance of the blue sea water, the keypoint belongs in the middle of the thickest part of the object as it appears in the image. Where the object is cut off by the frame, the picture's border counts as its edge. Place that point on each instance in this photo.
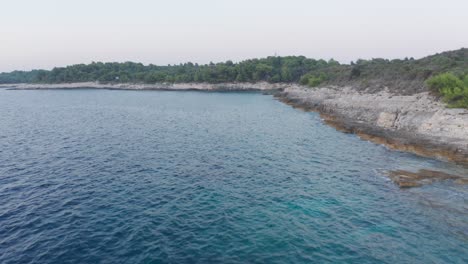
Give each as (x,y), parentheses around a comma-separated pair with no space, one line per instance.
(98,176)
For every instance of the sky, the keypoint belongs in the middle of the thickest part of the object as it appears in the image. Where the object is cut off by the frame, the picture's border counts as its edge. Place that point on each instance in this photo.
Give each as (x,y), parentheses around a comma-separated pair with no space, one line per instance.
(48,33)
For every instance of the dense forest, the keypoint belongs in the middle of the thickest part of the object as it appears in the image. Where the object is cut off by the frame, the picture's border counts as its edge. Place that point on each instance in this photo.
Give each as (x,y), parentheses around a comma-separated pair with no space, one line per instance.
(271,69)
(403,75)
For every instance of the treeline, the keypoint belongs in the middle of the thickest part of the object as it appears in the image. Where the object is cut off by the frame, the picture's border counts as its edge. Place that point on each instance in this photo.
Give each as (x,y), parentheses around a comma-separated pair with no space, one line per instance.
(271,69)
(400,75)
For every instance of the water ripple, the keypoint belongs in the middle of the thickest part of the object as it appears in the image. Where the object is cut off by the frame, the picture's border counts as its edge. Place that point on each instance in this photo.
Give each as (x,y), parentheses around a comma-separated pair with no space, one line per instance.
(166,177)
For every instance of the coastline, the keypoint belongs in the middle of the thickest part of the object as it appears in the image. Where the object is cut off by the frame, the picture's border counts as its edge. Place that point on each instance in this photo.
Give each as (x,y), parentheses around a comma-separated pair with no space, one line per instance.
(416,123)
(259,86)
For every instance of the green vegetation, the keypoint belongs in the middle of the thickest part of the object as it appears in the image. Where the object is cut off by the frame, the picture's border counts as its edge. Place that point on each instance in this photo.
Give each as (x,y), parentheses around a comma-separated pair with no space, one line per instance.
(271,69)
(403,76)
(453,89)
(313,80)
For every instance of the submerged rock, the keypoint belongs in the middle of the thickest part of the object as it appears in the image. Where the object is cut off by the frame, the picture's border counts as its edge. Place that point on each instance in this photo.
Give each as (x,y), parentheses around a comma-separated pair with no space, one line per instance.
(462,181)
(407,179)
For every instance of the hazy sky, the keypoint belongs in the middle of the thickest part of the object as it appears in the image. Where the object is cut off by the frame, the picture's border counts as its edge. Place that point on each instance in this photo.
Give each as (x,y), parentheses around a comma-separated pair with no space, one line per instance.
(48,33)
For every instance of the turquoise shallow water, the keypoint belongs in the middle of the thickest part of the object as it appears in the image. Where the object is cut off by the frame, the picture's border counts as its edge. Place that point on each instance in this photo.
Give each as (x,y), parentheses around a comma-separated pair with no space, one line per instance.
(95,176)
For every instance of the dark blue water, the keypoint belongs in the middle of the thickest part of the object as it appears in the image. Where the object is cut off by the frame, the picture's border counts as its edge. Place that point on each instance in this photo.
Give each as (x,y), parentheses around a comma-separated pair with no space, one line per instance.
(90,176)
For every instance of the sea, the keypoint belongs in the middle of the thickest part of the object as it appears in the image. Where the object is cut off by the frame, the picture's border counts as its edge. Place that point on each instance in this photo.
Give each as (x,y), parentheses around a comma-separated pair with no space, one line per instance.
(113,176)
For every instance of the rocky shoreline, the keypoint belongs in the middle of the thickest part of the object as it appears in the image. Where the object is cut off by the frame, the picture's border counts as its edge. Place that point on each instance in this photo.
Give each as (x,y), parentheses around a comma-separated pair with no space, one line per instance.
(416,123)
(260,86)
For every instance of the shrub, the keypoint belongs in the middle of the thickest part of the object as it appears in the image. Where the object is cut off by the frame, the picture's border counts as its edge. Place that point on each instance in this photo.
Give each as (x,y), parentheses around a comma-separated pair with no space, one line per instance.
(444,81)
(454,90)
(305,79)
(312,80)
(465,80)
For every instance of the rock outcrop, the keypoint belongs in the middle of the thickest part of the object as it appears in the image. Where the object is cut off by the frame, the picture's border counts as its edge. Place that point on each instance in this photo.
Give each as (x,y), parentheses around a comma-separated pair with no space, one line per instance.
(407,179)
(417,123)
